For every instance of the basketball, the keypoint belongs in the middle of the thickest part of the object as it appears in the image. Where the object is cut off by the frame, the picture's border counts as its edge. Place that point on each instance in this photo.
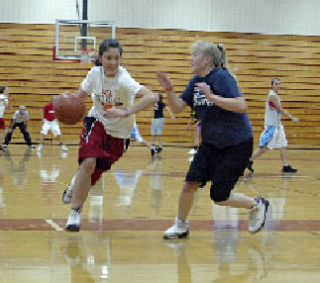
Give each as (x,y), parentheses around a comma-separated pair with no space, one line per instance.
(69,108)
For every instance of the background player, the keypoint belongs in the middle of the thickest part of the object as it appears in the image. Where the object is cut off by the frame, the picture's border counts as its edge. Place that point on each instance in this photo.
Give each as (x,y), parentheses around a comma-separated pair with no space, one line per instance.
(4,102)
(50,123)
(20,119)
(157,124)
(273,136)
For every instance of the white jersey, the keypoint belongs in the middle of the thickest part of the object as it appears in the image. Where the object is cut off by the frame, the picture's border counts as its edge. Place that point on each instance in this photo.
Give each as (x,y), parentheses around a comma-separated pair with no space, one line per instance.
(117,92)
(272,114)
(3,104)
(21,117)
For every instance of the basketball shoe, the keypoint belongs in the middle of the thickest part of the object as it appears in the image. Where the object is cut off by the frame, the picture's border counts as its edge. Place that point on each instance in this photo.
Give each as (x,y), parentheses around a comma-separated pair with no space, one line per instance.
(249,166)
(67,195)
(288,169)
(74,221)
(180,229)
(258,214)
(153,150)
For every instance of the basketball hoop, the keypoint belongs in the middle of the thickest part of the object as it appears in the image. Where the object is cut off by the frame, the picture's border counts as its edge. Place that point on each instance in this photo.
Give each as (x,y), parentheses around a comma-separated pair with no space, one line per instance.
(86,55)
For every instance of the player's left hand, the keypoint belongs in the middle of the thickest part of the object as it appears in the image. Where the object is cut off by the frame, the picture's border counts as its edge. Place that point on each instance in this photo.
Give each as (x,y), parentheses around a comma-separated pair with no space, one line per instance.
(204,88)
(116,113)
(164,80)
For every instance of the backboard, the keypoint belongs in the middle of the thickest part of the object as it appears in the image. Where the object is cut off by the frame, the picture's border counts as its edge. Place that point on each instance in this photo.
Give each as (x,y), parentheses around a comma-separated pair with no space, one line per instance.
(76,37)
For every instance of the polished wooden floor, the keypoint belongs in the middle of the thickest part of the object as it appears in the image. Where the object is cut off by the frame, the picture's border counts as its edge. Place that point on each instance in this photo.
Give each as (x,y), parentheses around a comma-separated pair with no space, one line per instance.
(127,212)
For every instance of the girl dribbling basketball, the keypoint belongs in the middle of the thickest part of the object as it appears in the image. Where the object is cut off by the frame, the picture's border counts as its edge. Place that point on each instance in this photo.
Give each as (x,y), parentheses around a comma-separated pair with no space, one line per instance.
(108,123)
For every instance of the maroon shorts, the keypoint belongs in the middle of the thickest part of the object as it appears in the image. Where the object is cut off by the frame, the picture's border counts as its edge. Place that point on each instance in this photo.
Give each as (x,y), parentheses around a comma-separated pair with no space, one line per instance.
(2,124)
(95,142)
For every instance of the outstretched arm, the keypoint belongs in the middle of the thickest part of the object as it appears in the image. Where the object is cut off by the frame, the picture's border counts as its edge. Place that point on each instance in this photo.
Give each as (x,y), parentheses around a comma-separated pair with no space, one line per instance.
(150,111)
(176,103)
(278,105)
(148,99)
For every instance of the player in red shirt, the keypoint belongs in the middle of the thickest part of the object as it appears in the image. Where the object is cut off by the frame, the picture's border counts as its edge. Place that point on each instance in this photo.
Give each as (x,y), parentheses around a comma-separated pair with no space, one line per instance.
(50,123)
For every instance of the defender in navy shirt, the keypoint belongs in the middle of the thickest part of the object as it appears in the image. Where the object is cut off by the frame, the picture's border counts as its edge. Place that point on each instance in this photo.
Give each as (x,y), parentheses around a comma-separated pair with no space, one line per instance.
(226,136)
(219,127)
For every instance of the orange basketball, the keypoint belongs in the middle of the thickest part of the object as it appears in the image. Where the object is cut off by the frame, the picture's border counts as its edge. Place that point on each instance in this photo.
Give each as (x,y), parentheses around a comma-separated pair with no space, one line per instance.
(69,108)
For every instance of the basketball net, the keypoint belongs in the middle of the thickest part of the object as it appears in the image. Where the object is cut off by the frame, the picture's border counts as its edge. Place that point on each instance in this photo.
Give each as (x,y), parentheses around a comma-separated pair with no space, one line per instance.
(86,55)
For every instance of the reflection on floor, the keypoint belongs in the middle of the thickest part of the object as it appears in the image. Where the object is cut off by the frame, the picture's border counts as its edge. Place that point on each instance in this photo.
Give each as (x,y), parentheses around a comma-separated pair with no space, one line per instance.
(129,208)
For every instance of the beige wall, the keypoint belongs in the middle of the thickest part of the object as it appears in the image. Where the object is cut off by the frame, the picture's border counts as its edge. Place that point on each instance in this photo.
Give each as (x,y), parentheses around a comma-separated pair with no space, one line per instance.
(26,66)
(250,16)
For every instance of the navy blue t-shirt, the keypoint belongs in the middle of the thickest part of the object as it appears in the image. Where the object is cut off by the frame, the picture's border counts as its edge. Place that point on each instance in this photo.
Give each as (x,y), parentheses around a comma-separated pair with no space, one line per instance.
(158,109)
(219,127)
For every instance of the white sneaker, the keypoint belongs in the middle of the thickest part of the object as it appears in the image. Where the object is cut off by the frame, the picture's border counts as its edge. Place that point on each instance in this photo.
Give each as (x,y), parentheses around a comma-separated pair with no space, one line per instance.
(74,221)
(67,195)
(40,147)
(192,151)
(32,146)
(257,215)
(179,230)
(5,146)
(63,147)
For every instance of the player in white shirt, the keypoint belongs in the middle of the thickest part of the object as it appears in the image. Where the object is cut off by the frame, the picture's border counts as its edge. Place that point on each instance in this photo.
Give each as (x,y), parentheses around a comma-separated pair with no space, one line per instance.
(273,135)
(20,119)
(107,125)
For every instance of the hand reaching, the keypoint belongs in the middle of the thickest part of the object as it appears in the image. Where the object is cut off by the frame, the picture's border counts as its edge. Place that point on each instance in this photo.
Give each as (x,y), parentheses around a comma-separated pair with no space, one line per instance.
(116,113)
(296,120)
(164,81)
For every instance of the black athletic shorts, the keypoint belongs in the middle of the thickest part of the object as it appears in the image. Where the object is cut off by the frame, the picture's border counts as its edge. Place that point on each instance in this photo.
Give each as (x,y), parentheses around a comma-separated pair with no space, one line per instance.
(221,166)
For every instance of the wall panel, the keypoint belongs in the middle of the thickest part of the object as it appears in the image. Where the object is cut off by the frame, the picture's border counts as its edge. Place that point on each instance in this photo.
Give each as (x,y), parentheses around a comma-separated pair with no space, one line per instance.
(26,66)
(248,16)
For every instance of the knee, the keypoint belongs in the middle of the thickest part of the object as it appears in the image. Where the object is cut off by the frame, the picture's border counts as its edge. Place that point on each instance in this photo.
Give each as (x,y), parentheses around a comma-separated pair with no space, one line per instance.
(88,165)
(219,196)
(190,188)
(221,203)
